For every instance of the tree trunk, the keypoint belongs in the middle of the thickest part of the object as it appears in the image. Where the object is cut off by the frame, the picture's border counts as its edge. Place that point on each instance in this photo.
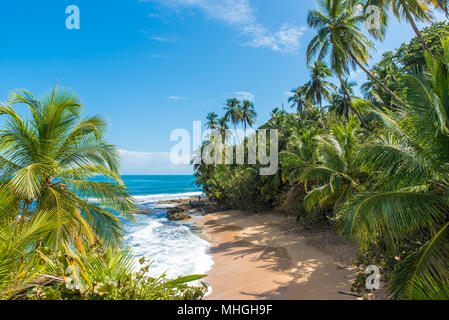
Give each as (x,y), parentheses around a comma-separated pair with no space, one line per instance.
(417,32)
(383,86)
(26,205)
(323,115)
(236,133)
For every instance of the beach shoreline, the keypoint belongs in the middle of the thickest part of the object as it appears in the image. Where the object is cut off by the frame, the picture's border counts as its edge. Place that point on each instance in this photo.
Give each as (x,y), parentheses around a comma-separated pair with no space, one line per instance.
(268,256)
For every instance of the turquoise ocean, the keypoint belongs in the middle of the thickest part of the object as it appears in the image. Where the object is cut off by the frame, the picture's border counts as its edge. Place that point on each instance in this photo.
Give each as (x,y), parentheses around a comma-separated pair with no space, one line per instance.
(176,248)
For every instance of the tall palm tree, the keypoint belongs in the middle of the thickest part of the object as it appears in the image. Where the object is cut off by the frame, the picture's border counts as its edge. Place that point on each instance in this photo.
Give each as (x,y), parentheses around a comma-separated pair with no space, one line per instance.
(299,100)
(318,89)
(223,126)
(339,36)
(342,104)
(410,10)
(212,121)
(410,194)
(390,74)
(336,172)
(441,4)
(47,161)
(233,113)
(248,114)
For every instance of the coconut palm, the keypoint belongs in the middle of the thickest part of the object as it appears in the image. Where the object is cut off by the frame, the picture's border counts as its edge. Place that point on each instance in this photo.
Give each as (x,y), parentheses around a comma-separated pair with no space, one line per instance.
(233,113)
(336,174)
(248,114)
(410,191)
(341,104)
(47,161)
(212,120)
(223,126)
(18,267)
(318,89)
(339,36)
(299,100)
(441,4)
(410,10)
(390,74)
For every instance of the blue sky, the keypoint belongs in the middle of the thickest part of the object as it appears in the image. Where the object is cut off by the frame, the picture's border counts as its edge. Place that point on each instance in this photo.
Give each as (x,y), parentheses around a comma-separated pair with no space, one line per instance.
(152,66)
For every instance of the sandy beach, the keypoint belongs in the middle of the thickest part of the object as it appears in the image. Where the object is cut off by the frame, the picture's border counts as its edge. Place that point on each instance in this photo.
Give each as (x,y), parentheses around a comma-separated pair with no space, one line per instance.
(267,256)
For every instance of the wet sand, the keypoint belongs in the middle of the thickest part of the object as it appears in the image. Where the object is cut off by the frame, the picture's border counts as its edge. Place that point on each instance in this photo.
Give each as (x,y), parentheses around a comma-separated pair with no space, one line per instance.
(268,256)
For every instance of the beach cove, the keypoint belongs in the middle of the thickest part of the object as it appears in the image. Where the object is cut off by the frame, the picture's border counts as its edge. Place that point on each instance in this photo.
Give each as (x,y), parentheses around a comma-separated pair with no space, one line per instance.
(266,256)
(245,256)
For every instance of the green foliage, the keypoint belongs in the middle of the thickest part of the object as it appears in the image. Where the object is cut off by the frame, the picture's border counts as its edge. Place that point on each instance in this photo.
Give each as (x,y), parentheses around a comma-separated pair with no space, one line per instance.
(411,55)
(47,161)
(382,180)
(107,275)
(59,237)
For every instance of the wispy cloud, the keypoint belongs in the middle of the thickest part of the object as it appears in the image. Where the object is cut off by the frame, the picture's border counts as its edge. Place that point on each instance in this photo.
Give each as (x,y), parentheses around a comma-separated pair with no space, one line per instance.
(243,95)
(163,39)
(240,15)
(176,98)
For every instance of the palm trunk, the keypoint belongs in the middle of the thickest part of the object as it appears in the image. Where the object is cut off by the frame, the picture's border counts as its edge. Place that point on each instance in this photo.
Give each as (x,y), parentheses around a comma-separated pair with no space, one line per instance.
(26,205)
(236,133)
(383,86)
(323,115)
(417,32)
(299,111)
(348,96)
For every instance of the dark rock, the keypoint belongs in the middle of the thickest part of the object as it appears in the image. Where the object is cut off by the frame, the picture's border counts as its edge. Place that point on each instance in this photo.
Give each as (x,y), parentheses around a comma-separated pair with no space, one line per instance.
(144,212)
(177,214)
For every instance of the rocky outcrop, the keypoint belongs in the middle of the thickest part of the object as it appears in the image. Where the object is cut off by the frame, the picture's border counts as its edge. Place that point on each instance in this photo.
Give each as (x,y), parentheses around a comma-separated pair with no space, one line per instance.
(144,212)
(178,214)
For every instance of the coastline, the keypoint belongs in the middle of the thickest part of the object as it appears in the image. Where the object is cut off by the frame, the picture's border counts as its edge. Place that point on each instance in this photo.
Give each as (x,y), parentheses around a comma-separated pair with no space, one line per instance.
(267,256)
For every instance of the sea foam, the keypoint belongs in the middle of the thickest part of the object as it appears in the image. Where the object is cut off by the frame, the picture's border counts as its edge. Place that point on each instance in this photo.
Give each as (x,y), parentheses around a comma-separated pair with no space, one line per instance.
(175,248)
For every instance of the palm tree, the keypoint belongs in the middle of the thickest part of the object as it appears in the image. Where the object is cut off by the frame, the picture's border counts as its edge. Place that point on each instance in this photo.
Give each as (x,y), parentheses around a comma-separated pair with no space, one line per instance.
(223,126)
(298,100)
(212,120)
(410,192)
(336,172)
(248,114)
(409,9)
(47,162)
(339,105)
(233,112)
(339,36)
(441,4)
(18,243)
(390,74)
(342,104)
(318,89)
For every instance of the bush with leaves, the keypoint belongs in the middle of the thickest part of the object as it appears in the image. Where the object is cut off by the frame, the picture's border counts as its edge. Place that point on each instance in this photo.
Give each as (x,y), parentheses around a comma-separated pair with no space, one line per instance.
(105,274)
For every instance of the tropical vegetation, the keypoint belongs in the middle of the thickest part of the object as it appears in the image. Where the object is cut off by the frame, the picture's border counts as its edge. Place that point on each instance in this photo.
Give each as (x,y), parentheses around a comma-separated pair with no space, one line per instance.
(372,162)
(61,235)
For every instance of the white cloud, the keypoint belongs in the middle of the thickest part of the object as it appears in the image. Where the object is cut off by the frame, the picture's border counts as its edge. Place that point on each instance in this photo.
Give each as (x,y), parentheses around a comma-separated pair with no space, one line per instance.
(240,15)
(243,95)
(162,39)
(136,162)
(176,98)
